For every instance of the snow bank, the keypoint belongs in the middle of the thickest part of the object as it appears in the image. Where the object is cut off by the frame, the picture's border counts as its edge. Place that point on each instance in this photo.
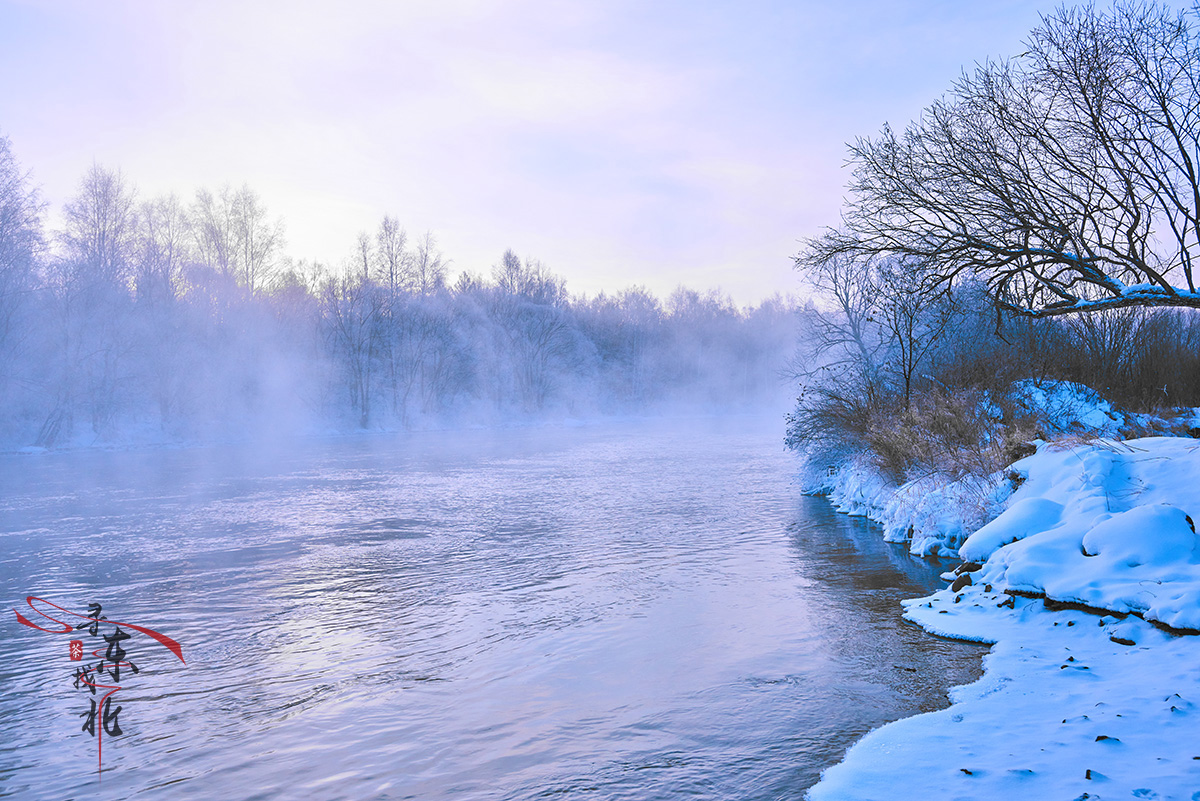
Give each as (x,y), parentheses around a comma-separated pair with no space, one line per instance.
(931,515)
(935,515)
(1108,525)
(1075,703)
(1067,407)
(1063,711)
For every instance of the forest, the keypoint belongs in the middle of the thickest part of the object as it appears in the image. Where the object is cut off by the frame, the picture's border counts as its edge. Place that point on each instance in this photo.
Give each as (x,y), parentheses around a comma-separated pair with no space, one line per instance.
(164,319)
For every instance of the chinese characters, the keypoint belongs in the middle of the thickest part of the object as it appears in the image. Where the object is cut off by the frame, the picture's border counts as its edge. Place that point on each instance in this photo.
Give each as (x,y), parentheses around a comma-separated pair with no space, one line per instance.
(104,674)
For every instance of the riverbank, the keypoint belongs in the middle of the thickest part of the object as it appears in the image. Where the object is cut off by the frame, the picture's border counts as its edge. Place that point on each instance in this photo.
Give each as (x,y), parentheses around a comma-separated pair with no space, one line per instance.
(1087,583)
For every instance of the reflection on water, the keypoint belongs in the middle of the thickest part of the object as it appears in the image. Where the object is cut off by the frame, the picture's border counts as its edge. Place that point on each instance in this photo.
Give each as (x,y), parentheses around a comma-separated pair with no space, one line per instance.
(624,611)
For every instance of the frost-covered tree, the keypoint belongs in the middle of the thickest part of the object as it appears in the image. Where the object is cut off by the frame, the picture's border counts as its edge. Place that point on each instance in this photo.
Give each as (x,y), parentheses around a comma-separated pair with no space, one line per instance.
(100,232)
(391,255)
(164,247)
(235,236)
(539,340)
(179,315)
(163,252)
(350,312)
(20,244)
(427,266)
(88,341)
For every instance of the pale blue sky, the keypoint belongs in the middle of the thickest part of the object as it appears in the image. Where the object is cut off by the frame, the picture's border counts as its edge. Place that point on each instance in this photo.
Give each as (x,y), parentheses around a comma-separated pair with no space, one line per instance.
(619,142)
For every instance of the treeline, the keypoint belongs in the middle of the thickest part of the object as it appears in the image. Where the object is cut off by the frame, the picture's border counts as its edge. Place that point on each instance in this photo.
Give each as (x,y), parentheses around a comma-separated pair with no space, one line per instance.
(157,316)
(924,380)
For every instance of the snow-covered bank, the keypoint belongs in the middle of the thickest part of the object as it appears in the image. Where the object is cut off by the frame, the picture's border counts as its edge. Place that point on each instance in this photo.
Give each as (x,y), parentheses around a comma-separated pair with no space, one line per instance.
(930,514)
(1102,702)
(1062,712)
(1108,525)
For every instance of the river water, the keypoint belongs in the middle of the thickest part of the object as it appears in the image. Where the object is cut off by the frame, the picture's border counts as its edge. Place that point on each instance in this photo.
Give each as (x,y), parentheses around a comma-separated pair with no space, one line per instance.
(621,611)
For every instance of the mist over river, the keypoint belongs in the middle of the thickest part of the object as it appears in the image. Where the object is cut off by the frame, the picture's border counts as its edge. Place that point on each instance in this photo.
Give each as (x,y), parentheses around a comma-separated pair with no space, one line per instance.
(639,610)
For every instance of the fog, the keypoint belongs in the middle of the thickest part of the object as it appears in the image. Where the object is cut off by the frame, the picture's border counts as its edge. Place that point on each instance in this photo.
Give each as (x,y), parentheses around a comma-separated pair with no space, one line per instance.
(184,319)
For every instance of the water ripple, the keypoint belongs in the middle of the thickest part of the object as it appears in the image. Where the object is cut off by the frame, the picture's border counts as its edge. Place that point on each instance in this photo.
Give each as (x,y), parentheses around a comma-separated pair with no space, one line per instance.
(634,611)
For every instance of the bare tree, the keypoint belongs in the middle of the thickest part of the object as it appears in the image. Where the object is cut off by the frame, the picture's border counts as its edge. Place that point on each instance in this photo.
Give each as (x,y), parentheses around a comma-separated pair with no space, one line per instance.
(350,309)
(163,250)
(640,318)
(258,239)
(914,320)
(427,266)
(101,228)
(529,305)
(1069,176)
(212,224)
(844,331)
(90,298)
(164,246)
(391,254)
(530,280)
(20,243)
(364,256)
(235,236)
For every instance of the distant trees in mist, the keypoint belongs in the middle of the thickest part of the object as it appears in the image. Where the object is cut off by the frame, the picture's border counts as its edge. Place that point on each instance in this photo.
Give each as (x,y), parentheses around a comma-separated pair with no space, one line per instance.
(186,318)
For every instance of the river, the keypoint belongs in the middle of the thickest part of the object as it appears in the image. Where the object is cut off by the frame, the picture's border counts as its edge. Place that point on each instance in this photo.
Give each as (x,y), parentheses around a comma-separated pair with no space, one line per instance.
(637,610)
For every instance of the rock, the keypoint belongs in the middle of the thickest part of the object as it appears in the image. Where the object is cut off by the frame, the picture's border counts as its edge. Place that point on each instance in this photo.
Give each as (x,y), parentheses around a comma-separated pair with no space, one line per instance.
(963,580)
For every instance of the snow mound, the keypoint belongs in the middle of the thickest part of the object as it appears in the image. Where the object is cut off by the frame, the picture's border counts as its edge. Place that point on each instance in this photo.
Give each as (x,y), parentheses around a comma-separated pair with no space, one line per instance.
(1156,535)
(1074,703)
(1106,525)
(1026,516)
(936,516)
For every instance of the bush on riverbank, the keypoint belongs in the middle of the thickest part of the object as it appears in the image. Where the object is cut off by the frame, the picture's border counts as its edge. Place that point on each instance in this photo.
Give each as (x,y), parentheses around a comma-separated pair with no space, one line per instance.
(921,384)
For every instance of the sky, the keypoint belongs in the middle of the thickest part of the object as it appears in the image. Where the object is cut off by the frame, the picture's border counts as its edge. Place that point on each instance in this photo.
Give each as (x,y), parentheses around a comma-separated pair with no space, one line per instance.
(618,142)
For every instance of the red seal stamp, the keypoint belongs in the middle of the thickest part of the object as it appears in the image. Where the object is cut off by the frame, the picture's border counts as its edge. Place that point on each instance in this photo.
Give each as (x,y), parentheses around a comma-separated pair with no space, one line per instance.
(76,650)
